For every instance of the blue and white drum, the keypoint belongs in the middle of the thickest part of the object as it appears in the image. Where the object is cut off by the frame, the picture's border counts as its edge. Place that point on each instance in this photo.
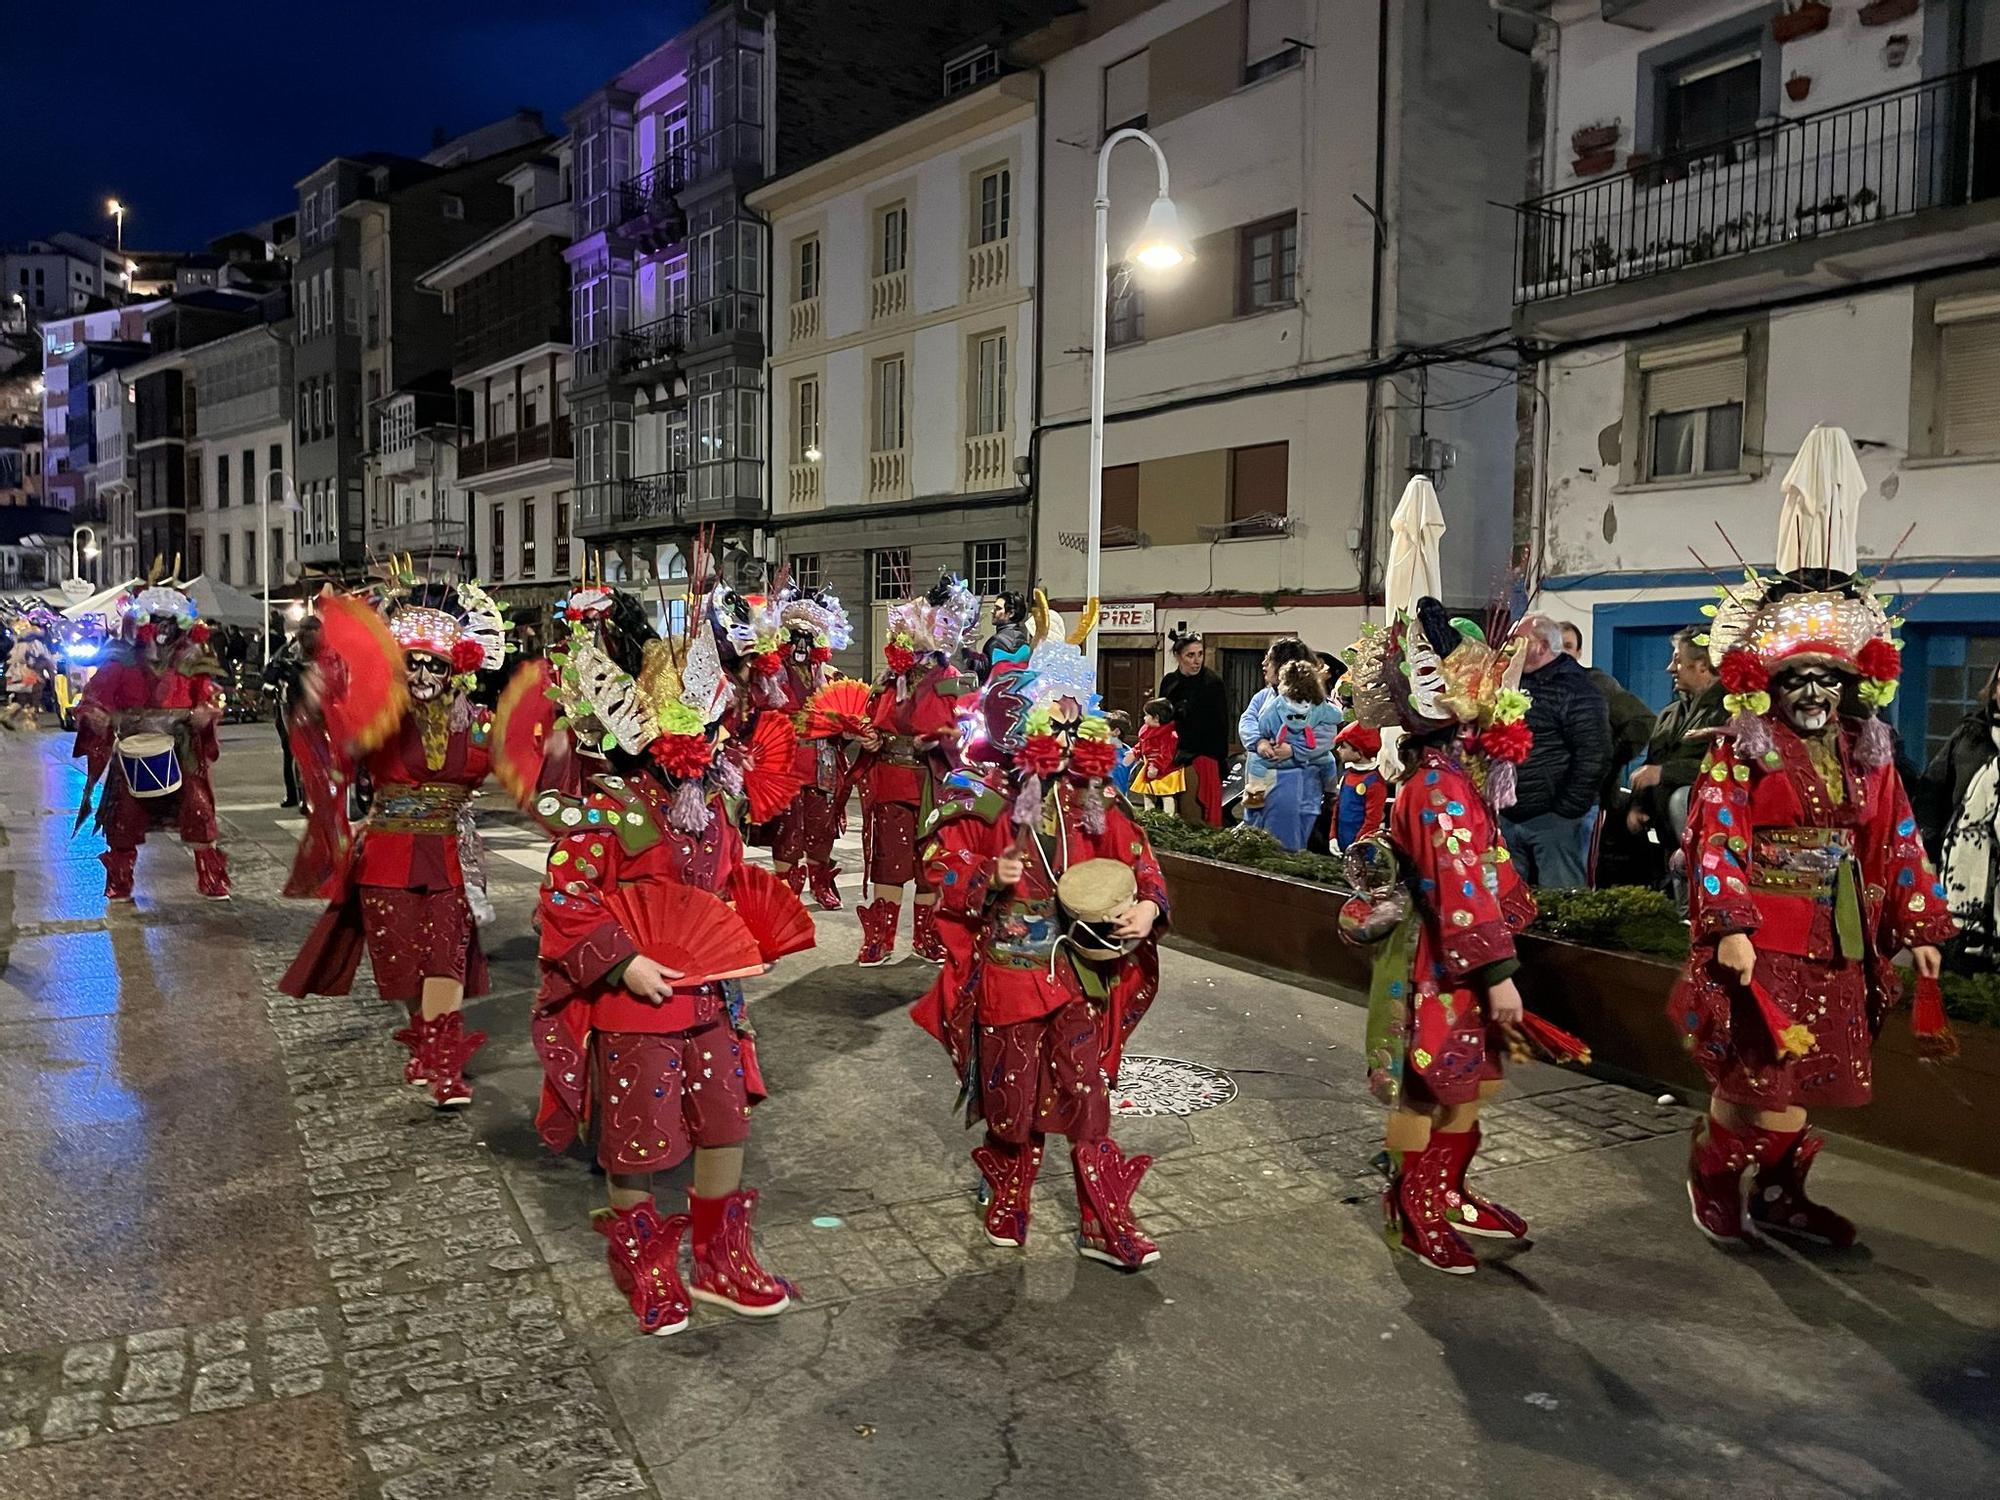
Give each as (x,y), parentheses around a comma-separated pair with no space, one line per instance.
(151,765)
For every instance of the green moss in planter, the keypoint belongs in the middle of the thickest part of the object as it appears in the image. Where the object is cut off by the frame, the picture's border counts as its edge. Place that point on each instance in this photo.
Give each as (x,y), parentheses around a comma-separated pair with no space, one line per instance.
(1629,918)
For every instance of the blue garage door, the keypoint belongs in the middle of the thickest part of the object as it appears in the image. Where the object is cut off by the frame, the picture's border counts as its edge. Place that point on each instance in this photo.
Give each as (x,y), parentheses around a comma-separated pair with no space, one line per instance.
(1639,660)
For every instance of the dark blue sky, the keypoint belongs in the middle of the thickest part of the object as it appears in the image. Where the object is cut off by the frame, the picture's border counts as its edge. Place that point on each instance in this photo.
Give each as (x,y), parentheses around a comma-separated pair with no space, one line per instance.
(201,119)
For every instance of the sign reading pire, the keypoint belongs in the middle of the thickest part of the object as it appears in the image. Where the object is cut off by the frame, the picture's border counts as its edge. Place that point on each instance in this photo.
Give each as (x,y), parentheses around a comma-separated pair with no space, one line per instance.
(1128,619)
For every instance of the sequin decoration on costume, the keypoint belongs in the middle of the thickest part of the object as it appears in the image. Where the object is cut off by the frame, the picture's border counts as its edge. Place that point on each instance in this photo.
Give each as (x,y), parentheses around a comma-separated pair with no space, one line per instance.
(1168,1086)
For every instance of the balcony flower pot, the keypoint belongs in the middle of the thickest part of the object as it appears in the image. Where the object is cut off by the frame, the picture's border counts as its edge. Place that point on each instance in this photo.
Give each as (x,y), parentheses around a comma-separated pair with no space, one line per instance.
(1594,163)
(1882,12)
(1591,138)
(1797,87)
(1802,20)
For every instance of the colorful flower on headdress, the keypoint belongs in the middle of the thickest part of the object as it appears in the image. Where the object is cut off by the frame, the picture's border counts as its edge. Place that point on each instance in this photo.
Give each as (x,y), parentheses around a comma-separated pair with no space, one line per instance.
(900,658)
(682,755)
(1093,758)
(1746,682)
(1507,742)
(1041,754)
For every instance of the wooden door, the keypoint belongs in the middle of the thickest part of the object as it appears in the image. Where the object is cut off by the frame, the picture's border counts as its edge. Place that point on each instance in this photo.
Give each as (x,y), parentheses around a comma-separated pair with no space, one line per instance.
(1125,680)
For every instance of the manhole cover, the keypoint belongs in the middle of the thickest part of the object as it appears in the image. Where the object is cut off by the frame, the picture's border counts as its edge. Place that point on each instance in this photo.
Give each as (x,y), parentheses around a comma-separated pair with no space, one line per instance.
(1168,1086)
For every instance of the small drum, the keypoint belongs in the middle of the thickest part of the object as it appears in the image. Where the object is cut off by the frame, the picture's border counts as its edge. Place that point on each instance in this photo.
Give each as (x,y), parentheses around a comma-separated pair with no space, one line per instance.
(1093,894)
(151,765)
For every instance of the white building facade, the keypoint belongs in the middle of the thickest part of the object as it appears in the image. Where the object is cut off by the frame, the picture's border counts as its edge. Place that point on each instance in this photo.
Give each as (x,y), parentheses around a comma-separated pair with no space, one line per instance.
(1754,228)
(241,524)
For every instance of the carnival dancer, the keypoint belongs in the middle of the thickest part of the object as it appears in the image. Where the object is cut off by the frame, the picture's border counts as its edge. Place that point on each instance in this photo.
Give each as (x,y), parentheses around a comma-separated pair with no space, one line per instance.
(1063,900)
(146,728)
(640,1023)
(1806,873)
(912,719)
(802,840)
(30,665)
(389,699)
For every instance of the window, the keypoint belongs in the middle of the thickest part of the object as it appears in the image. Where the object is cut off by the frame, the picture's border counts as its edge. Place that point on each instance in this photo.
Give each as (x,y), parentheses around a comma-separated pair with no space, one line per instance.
(1271,32)
(1125,86)
(195,560)
(890,575)
(989,385)
(986,568)
(1121,504)
(249,490)
(893,243)
(1694,408)
(1257,480)
(805,269)
(805,426)
(1125,310)
(222,481)
(528,538)
(277,554)
(1711,97)
(531,409)
(1959,668)
(452,206)
(274,463)
(562,533)
(496,540)
(1968,399)
(250,558)
(889,426)
(995,220)
(1268,257)
(227,576)
(805,571)
(963,74)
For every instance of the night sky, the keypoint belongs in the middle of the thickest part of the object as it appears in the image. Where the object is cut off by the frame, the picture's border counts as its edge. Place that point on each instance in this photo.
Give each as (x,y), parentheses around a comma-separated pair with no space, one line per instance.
(201,119)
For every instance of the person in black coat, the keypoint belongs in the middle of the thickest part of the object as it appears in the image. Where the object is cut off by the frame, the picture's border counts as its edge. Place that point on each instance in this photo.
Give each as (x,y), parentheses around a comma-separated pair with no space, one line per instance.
(1549,826)
(1957,804)
(1201,717)
(284,676)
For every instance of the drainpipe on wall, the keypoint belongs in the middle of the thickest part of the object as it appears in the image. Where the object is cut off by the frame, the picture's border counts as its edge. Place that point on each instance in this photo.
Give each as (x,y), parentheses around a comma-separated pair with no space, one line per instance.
(1370,444)
(1041,303)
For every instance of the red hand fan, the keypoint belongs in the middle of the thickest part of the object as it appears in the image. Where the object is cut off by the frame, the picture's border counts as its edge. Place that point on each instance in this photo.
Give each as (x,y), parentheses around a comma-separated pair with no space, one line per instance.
(375,694)
(1551,1041)
(682,928)
(841,707)
(769,780)
(520,736)
(777,918)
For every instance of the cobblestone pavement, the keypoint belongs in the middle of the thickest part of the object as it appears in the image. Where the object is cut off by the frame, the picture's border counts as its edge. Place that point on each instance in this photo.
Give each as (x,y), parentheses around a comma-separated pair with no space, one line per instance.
(456,1305)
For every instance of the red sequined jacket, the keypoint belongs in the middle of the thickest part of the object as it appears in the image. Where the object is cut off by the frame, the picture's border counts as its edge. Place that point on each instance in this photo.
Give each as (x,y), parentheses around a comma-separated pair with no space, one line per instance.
(927,709)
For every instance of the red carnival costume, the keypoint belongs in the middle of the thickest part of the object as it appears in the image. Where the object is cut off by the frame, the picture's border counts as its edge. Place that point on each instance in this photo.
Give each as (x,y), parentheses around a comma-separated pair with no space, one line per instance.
(912,719)
(157,692)
(398,885)
(1806,876)
(803,837)
(1036,1004)
(655,1061)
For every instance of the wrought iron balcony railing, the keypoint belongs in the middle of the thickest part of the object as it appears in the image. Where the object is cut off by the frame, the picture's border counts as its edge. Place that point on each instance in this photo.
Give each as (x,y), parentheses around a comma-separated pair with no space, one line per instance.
(643,500)
(655,192)
(1934,144)
(653,345)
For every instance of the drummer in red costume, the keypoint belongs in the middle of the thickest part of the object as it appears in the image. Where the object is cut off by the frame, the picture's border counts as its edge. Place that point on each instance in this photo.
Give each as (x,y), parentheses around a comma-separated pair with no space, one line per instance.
(651,1067)
(1037,1017)
(161,680)
(912,720)
(392,699)
(802,842)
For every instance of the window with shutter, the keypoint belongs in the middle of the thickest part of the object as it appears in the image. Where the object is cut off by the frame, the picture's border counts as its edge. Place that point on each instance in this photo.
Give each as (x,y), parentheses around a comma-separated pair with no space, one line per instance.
(1694,410)
(1969,398)
(1271,33)
(1121,504)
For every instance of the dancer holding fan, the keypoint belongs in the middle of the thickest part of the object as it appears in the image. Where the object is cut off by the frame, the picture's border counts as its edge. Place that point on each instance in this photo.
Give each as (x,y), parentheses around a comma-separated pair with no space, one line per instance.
(649,919)
(802,841)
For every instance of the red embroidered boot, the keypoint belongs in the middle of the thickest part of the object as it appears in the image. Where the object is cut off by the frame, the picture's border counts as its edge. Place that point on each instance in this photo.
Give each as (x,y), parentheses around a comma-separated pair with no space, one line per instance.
(795,877)
(1010,1177)
(878,932)
(1413,1210)
(826,890)
(118,864)
(1778,1200)
(928,944)
(417,1069)
(448,1047)
(726,1271)
(644,1253)
(1465,1210)
(211,873)
(1105,1181)
(1718,1158)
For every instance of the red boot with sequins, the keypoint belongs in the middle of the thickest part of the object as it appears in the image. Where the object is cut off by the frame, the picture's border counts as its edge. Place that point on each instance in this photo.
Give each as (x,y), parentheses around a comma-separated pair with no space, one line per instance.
(644,1253)
(928,943)
(1413,1210)
(1465,1210)
(726,1271)
(878,932)
(1718,1160)
(1778,1201)
(118,864)
(211,873)
(1106,1178)
(795,878)
(1009,1171)
(825,884)
(417,1069)
(448,1047)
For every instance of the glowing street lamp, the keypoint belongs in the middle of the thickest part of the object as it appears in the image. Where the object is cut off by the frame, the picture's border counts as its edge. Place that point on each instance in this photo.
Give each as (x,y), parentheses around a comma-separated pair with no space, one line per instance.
(117,212)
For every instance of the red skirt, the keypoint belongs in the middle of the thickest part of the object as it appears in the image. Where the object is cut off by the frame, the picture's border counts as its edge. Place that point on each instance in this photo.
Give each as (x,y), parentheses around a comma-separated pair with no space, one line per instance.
(1732,1042)
(1045,1077)
(892,843)
(805,832)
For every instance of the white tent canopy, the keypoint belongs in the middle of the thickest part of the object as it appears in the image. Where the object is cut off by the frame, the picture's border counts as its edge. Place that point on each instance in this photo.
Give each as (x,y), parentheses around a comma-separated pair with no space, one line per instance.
(220,604)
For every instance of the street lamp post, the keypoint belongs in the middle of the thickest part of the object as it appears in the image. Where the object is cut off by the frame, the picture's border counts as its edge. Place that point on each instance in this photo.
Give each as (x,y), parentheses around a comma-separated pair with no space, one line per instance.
(1160,246)
(288,504)
(117,212)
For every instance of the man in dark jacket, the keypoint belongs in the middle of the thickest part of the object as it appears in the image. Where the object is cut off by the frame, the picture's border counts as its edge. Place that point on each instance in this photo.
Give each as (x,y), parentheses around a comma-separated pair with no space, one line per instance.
(1645,826)
(1631,721)
(284,677)
(1548,827)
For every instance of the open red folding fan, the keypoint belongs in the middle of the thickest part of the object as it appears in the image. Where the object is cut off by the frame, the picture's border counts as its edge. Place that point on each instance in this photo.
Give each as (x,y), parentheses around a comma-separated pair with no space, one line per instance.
(1538,1038)
(374,694)
(521,726)
(689,930)
(769,780)
(841,707)
(775,916)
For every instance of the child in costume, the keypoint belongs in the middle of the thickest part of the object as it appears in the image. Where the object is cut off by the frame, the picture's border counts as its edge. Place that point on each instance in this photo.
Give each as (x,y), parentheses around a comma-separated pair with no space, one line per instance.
(390,700)
(1036,1020)
(1806,876)
(1283,796)
(1362,809)
(912,718)
(160,678)
(652,1058)
(1156,778)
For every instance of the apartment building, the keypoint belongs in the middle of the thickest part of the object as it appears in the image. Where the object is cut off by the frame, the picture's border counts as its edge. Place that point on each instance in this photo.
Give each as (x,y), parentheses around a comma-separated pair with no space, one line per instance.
(239,529)
(508,514)
(1333,162)
(1755,222)
(20,465)
(63,274)
(903,356)
(111,478)
(414,505)
(61,339)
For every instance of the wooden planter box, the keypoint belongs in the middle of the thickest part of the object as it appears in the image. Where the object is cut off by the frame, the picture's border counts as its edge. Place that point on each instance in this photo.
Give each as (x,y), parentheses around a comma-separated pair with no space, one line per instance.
(1808,18)
(1883,12)
(1593,138)
(1616,1001)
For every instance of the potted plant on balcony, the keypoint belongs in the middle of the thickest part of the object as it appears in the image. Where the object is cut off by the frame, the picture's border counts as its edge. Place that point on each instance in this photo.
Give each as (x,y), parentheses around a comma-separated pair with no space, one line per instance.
(1800,19)
(1594,163)
(1587,139)
(1882,12)
(1798,86)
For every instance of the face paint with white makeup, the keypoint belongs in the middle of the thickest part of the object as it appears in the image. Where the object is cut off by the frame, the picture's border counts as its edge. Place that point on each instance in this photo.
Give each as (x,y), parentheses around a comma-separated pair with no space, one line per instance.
(1808,698)
(428,676)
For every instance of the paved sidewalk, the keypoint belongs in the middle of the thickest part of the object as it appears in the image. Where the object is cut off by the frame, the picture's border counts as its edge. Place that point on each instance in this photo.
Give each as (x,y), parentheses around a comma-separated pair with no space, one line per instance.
(239,1259)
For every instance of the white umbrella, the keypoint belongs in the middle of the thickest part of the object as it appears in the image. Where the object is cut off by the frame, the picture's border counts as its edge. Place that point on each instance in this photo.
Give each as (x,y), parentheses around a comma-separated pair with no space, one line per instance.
(1819,525)
(220,604)
(1415,530)
(98,604)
